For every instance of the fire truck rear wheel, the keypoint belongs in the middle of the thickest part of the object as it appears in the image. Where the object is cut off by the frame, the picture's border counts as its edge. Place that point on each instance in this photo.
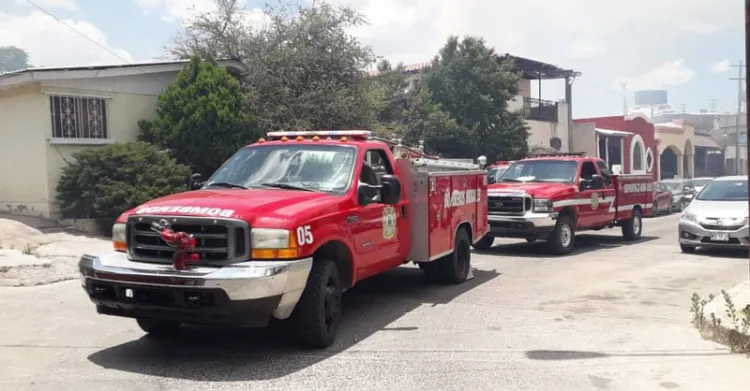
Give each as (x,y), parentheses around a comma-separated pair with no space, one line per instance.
(484,243)
(563,238)
(633,227)
(158,328)
(452,268)
(317,315)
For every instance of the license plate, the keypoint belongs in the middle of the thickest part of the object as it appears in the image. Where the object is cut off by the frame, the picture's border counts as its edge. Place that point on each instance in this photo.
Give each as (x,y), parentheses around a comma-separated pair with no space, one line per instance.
(720,236)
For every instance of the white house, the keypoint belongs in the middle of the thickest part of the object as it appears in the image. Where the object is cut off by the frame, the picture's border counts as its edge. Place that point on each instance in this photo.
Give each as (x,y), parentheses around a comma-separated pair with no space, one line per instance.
(46,114)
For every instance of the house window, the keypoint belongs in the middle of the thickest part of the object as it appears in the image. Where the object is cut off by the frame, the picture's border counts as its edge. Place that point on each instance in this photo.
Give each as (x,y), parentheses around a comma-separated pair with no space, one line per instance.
(78,117)
(638,157)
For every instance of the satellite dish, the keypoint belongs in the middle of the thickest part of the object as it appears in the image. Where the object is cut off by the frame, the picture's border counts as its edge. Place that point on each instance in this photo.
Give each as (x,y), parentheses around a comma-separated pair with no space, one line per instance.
(555,143)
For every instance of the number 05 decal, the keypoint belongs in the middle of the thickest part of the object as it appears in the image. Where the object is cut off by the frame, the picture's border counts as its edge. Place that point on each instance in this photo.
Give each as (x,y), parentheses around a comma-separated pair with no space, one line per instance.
(304,235)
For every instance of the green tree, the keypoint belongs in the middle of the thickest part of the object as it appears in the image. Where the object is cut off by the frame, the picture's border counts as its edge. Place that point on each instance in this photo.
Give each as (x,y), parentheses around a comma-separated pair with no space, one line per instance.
(390,91)
(202,117)
(461,108)
(304,69)
(13,59)
(104,182)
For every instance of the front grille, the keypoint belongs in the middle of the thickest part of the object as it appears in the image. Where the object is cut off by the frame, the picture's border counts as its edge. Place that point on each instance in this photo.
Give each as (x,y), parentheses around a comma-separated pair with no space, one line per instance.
(219,241)
(508,204)
(716,227)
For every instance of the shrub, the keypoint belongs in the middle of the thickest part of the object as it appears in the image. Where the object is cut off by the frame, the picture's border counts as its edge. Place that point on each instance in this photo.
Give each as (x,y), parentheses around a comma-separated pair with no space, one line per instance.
(202,117)
(104,182)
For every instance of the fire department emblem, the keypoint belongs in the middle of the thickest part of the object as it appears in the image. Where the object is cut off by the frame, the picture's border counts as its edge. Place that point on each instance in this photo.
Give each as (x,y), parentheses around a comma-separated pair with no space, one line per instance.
(389,222)
(595,201)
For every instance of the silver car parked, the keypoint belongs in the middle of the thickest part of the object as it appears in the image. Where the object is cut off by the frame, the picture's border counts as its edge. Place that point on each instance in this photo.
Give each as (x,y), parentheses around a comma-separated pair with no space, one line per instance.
(717,216)
(682,192)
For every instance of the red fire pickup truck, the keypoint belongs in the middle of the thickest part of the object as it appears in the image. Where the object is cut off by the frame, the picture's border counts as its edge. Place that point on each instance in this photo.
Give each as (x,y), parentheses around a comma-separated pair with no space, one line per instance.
(282,229)
(552,197)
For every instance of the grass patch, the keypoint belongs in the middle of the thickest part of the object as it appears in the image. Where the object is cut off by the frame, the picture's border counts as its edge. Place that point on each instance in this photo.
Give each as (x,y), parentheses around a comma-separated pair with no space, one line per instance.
(734,335)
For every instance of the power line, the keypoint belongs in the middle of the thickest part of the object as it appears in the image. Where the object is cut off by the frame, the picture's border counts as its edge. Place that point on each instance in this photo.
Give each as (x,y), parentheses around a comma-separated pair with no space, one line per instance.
(108,50)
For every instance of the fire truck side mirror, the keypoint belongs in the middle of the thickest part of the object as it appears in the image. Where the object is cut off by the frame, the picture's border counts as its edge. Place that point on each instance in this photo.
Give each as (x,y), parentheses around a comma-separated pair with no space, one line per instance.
(195,182)
(390,190)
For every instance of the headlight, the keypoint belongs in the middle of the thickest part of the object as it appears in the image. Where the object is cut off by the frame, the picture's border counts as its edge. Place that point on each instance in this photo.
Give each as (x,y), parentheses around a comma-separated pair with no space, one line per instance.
(687,216)
(272,243)
(542,205)
(118,237)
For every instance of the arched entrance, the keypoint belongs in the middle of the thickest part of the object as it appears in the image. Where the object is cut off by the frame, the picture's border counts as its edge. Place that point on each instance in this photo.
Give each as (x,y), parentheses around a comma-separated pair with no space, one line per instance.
(669,162)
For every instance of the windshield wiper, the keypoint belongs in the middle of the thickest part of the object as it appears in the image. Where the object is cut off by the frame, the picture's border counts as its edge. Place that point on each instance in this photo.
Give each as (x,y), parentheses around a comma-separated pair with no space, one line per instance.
(509,180)
(226,184)
(286,186)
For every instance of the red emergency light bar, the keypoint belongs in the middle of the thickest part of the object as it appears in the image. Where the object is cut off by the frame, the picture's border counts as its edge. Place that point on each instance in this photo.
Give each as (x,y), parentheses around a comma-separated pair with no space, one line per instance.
(355,134)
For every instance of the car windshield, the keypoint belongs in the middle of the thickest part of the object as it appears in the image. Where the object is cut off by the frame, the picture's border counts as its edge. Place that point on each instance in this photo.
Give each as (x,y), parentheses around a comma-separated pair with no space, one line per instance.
(673,186)
(326,168)
(735,190)
(701,181)
(496,172)
(554,171)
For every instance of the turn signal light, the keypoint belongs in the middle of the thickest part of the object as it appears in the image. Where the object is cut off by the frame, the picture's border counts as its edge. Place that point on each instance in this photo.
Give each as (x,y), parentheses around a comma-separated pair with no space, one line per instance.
(120,246)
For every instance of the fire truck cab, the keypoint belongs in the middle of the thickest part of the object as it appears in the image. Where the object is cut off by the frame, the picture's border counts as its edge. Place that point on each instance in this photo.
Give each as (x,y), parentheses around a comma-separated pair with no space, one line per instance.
(282,228)
(552,197)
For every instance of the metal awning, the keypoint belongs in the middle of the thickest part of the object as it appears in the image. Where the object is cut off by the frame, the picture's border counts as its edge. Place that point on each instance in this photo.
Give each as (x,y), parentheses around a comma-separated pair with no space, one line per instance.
(615,133)
(706,142)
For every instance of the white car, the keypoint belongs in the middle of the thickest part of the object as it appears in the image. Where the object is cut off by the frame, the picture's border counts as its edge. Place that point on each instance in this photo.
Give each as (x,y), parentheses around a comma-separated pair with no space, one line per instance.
(717,217)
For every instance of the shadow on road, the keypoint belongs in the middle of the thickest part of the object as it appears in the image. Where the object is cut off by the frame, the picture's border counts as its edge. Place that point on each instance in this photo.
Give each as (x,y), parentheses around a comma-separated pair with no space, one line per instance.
(552,355)
(584,243)
(250,354)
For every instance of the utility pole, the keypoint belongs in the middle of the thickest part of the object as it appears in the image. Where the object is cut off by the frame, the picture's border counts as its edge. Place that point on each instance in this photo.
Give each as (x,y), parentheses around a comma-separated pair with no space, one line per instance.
(747,75)
(740,79)
(624,98)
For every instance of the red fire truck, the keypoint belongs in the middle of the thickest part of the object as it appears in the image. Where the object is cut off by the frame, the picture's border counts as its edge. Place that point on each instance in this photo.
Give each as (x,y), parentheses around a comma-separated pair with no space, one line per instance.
(495,171)
(552,197)
(282,229)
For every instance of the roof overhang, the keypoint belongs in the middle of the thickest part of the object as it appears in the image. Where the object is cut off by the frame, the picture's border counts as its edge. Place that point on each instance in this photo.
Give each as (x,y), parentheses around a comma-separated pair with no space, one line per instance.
(34,75)
(613,133)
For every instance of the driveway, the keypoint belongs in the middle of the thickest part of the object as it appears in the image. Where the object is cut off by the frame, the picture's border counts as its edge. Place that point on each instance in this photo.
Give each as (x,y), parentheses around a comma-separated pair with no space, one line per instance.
(613,316)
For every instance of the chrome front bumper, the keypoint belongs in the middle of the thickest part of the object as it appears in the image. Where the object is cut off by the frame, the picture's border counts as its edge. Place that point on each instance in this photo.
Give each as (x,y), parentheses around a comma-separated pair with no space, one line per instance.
(526,225)
(693,234)
(279,283)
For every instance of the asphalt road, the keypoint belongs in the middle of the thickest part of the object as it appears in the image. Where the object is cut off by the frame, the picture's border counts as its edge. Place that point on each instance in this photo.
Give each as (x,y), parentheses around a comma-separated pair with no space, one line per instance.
(613,316)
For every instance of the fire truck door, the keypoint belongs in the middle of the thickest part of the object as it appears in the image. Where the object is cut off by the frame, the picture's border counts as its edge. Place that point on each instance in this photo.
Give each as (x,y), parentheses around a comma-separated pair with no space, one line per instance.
(376,234)
(590,196)
(608,194)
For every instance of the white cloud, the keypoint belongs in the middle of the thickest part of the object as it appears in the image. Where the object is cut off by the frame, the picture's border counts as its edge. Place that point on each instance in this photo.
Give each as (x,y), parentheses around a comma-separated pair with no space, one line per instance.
(50,43)
(177,10)
(720,66)
(672,73)
(68,5)
(584,50)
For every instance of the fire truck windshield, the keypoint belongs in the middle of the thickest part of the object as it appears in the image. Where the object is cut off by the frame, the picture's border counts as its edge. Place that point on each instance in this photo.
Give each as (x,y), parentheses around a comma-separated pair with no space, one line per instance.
(326,168)
(553,171)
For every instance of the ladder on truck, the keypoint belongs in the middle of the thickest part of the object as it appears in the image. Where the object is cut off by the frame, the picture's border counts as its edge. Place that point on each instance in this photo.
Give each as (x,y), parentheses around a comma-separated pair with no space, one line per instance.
(419,160)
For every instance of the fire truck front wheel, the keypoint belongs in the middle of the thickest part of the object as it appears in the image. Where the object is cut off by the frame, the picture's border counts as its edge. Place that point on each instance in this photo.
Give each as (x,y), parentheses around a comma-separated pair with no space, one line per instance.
(563,237)
(452,268)
(316,317)
(158,328)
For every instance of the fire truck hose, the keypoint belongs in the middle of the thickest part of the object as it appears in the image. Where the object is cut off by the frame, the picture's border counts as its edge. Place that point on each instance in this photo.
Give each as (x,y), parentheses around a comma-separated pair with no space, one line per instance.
(183,242)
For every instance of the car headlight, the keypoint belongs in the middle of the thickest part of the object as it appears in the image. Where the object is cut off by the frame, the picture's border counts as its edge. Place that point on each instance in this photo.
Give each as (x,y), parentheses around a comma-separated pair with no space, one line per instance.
(118,237)
(687,216)
(542,205)
(272,243)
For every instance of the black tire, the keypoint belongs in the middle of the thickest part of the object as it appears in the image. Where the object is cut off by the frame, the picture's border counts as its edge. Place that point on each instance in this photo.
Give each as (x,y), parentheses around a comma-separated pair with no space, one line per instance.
(633,227)
(485,243)
(159,328)
(317,315)
(686,248)
(452,268)
(562,239)
(655,209)
(671,206)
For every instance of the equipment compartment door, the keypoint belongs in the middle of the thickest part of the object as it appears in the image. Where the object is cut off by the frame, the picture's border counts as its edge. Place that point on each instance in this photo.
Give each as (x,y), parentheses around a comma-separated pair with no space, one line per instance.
(440,216)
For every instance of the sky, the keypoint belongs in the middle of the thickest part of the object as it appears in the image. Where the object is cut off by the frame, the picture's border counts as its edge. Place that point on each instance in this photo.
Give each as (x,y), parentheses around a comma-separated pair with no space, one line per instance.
(687,47)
